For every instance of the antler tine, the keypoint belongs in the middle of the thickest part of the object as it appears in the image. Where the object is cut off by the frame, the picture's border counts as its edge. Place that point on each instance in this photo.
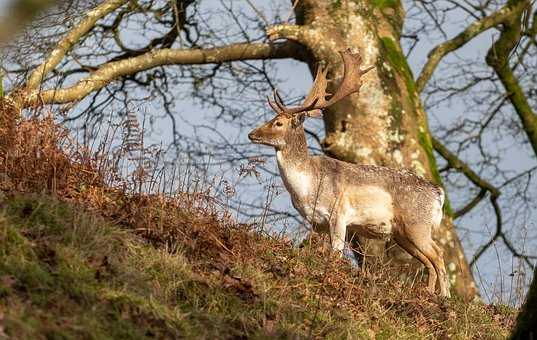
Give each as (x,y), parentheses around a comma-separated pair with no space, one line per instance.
(284,109)
(318,89)
(352,74)
(278,97)
(362,72)
(273,106)
(316,98)
(278,100)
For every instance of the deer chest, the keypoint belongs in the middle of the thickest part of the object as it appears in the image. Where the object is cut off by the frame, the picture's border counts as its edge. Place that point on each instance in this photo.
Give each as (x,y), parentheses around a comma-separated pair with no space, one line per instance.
(306,196)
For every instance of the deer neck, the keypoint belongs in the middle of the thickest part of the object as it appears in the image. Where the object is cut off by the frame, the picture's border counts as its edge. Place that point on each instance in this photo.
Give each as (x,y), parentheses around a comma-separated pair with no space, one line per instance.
(295,166)
(295,151)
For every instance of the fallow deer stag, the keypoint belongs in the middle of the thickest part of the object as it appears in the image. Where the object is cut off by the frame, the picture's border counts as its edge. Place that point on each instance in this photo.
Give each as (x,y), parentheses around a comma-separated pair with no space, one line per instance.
(338,197)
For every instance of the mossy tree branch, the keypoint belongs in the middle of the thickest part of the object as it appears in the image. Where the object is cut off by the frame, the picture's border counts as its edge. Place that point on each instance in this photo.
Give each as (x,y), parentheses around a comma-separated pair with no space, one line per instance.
(498,58)
(134,61)
(477,27)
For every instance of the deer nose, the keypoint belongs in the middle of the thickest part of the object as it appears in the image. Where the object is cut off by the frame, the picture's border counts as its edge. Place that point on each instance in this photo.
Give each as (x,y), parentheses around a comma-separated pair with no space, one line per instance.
(251,135)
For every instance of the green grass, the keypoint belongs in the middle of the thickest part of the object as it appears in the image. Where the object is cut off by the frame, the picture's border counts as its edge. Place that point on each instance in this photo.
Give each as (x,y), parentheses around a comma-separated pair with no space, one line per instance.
(69,274)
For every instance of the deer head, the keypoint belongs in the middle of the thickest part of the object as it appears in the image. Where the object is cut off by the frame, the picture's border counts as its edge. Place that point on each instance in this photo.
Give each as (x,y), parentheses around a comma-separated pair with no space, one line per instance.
(282,129)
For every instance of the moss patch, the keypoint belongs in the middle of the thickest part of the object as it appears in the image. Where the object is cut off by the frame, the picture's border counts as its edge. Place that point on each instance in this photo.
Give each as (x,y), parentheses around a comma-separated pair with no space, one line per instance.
(427,146)
(385,3)
(398,61)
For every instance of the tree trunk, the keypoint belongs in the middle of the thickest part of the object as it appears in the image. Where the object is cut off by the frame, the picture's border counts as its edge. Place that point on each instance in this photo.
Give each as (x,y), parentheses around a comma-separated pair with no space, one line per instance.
(526,325)
(385,124)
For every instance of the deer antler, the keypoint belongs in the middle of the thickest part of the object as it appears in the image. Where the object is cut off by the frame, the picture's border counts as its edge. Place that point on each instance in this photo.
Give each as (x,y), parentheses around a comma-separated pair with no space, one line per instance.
(316,98)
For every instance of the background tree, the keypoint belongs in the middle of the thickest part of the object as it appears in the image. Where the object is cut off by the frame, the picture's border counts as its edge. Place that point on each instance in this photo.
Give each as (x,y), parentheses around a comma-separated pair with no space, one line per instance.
(117,55)
(526,325)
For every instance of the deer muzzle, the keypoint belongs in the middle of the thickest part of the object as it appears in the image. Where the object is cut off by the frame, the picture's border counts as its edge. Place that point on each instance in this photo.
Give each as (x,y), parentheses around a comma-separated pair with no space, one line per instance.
(254,137)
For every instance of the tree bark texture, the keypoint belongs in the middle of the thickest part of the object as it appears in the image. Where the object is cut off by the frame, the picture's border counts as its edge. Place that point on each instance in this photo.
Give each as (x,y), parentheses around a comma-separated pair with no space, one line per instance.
(385,123)
(526,325)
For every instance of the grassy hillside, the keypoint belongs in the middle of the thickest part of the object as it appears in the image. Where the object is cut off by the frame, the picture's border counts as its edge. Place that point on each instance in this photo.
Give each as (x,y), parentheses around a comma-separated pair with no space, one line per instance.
(65,273)
(80,259)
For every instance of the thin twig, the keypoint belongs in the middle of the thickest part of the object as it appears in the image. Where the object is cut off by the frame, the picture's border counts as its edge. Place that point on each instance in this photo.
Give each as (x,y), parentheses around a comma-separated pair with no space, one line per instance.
(291,11)
(258,12)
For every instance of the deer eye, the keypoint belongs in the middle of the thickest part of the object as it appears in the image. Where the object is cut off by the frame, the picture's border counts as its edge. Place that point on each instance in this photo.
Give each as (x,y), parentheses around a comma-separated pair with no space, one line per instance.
(278,123)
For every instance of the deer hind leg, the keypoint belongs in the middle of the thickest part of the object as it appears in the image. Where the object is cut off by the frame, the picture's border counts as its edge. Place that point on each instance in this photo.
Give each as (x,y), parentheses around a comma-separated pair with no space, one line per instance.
(356,248)
(432,251)
(416,252)
(442,274)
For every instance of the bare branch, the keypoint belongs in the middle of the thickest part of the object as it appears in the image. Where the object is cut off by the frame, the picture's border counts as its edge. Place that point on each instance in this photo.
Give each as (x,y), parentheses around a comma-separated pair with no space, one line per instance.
(459,165)
(111,71)
(498,58)
(470,205)
(65,45)
(462,38)
(258,12)
(500,234)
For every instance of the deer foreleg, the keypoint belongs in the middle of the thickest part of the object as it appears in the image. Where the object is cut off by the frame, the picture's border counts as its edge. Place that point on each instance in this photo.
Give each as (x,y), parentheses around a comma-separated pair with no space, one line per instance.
(338,230)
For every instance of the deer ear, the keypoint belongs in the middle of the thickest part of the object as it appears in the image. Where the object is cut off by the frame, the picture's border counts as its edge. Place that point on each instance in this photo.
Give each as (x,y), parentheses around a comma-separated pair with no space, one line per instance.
(317,113)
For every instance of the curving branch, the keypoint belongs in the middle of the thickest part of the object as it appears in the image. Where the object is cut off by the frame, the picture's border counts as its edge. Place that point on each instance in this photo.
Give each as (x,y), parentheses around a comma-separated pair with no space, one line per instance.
(73,37)
(111,71)
(456,163)
(435,56)
(498,58)
(470,205)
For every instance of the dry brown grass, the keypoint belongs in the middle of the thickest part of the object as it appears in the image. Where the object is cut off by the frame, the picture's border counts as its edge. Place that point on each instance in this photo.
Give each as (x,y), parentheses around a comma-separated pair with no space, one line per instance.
(32,158)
